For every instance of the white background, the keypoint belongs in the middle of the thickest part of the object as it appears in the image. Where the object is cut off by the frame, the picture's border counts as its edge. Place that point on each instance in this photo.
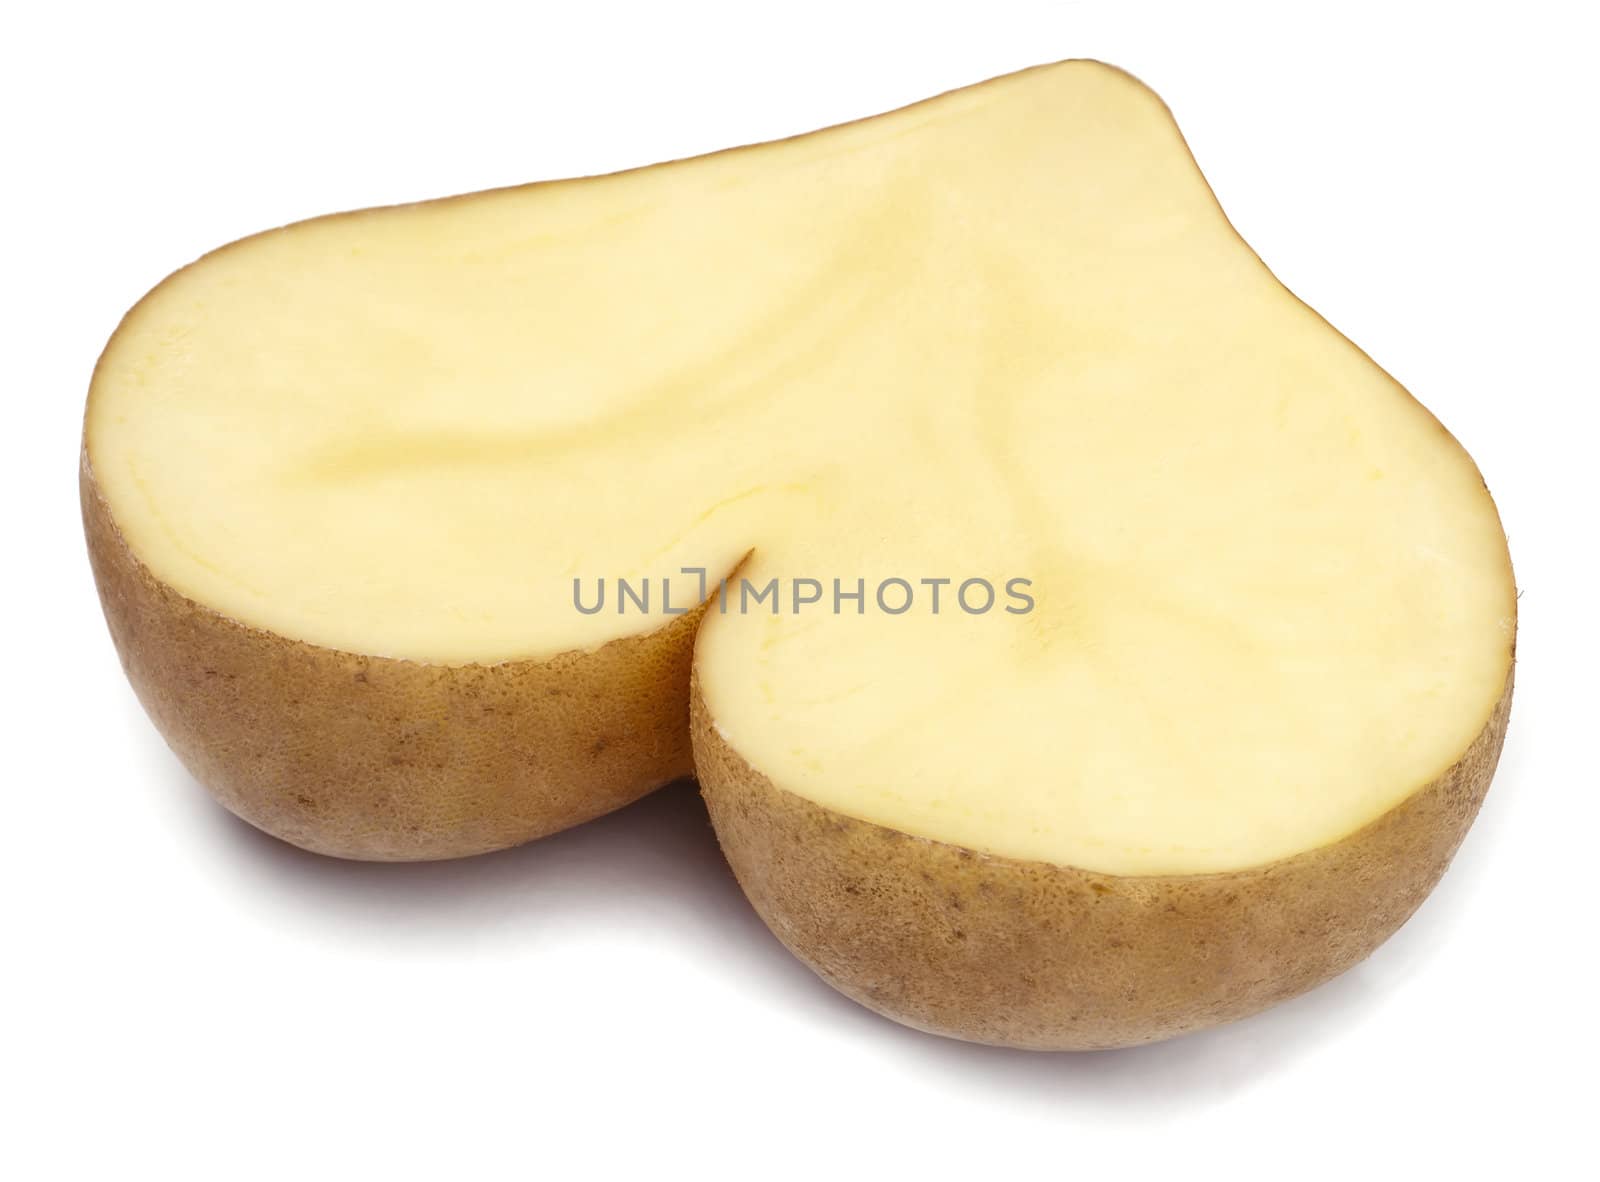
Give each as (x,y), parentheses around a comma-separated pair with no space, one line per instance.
(186,998)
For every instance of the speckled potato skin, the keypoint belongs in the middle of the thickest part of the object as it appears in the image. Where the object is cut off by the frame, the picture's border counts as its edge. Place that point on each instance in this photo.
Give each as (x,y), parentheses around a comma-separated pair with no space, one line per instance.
(390,760)
(1032,955)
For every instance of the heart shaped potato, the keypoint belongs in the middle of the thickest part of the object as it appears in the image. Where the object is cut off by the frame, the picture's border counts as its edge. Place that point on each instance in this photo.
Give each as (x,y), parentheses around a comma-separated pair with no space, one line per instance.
(1108,647)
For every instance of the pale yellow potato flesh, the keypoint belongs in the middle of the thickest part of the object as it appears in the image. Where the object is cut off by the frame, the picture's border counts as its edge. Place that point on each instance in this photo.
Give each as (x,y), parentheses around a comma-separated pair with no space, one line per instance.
(1006,333)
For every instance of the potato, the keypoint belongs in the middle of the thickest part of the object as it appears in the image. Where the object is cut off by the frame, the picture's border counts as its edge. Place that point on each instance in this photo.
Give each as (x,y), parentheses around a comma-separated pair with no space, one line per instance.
(1089,644)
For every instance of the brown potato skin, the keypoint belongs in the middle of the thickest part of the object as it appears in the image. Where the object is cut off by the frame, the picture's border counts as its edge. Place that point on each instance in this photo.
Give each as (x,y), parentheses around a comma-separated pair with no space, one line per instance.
(1045,957)
(391,760)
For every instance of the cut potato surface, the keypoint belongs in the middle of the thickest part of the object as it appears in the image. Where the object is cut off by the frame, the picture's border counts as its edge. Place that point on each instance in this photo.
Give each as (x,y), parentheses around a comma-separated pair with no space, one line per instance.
(1091,546)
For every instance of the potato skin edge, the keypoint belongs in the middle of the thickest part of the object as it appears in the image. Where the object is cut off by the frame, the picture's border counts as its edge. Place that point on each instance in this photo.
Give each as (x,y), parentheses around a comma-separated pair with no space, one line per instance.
(1044,957)
(381,759)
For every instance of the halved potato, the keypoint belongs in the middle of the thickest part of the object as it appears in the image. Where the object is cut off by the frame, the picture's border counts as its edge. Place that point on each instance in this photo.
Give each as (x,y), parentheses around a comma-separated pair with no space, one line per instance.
(1111,648)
